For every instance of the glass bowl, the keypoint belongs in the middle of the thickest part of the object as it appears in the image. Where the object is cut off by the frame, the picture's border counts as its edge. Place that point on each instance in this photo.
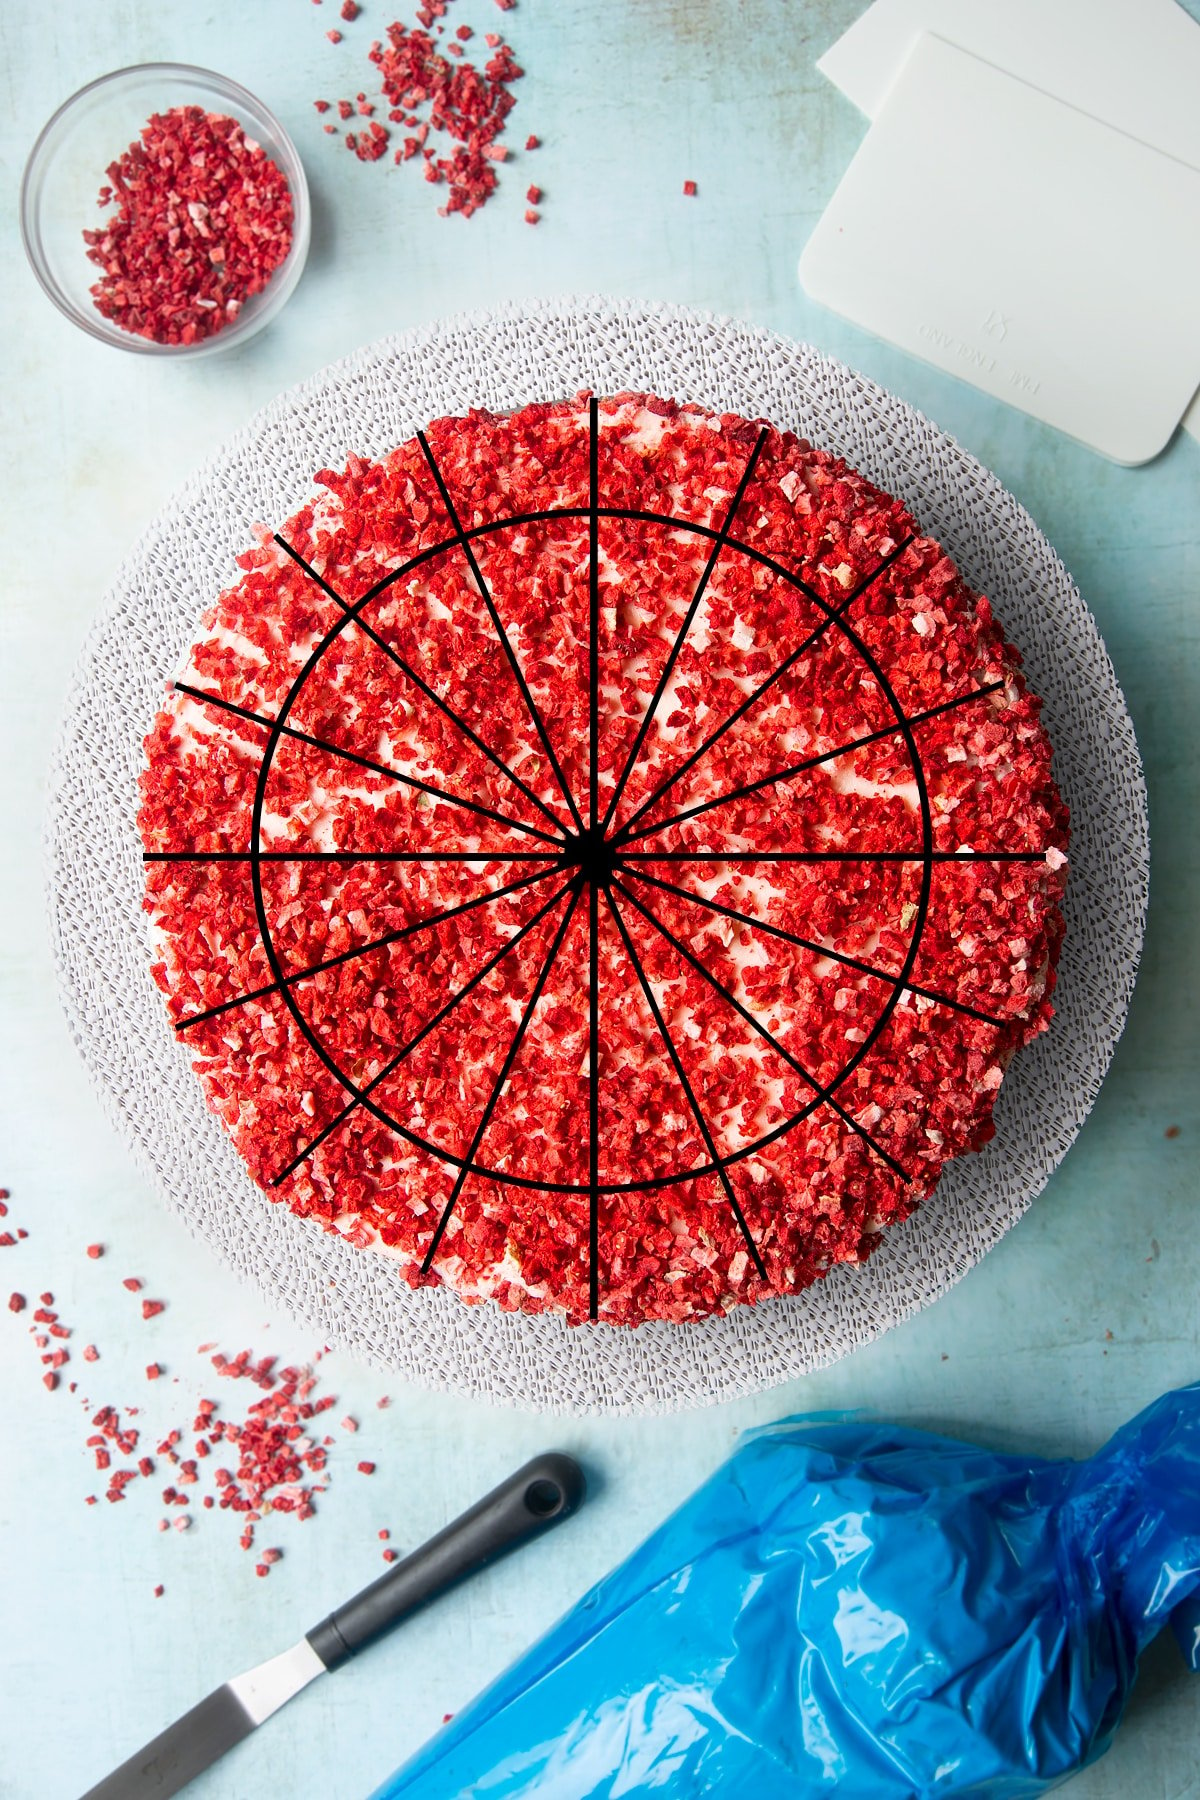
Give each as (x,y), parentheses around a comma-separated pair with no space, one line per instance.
(66,170)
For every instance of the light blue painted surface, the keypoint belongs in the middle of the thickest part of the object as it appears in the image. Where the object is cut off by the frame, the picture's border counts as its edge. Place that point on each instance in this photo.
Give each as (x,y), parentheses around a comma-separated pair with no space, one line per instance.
(630,97)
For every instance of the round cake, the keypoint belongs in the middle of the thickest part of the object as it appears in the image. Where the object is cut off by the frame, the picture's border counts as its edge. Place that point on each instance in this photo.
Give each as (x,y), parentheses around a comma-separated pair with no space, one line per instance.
(603,857)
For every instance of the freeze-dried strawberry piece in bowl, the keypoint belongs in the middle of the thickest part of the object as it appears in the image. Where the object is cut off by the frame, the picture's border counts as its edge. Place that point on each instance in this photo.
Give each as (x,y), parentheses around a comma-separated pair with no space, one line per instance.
(604,858)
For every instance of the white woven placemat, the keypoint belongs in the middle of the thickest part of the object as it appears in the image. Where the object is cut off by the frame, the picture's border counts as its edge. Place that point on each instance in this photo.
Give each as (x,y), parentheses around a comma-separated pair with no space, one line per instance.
(367,404)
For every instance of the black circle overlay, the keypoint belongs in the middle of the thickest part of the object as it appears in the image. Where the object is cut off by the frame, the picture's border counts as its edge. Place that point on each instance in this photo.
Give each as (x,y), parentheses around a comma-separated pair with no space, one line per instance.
(577,867)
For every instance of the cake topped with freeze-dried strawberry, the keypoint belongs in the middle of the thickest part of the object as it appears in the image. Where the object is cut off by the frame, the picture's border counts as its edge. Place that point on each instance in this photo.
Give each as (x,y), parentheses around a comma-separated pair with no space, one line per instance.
(604,858)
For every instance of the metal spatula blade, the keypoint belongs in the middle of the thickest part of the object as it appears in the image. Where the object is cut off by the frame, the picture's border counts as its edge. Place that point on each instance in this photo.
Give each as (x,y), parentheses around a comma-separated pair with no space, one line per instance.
(541,1493)
(221,1720)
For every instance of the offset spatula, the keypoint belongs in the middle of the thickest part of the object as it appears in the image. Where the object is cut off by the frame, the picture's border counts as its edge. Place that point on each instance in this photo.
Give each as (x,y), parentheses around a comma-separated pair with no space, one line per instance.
(546,1490)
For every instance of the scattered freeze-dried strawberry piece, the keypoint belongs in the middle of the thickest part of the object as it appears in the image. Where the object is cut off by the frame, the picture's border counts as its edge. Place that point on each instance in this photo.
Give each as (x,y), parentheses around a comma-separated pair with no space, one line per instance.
(368,145)
(468,106)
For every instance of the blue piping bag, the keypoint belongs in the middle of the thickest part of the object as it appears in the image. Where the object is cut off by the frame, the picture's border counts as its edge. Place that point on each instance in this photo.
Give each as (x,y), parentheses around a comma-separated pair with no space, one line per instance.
(855,1608)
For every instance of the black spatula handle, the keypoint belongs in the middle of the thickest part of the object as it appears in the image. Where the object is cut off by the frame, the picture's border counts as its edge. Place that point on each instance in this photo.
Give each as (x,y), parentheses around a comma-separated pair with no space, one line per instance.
(546,1490)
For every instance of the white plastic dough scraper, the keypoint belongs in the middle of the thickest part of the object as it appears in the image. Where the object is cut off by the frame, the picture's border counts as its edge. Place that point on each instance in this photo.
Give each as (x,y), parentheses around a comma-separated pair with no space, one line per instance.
(1134,64)
(1009,238)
